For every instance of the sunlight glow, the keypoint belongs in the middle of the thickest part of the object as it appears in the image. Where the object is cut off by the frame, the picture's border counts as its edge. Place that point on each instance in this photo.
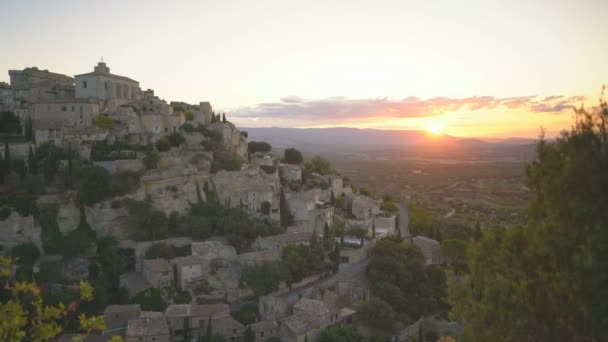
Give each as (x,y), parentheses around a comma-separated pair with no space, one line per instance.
(435,127)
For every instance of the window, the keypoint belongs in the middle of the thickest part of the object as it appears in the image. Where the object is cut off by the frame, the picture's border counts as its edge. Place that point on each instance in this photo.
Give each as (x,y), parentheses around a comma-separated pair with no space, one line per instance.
(84,84)
(72,108)
(64,108)
(106,85)
(262,334)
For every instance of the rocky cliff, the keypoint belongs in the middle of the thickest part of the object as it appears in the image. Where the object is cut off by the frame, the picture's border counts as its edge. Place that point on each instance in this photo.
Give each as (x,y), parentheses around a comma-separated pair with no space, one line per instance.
(232,139)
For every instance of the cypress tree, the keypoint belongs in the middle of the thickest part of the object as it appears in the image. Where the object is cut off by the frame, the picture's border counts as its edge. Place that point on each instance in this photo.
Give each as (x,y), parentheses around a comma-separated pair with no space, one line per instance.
(374,228)
(209,330)
(420,335)
(31,162)
(7,158)
(199,197)
(333,199)
(2,170)
(223,117)
(326,232)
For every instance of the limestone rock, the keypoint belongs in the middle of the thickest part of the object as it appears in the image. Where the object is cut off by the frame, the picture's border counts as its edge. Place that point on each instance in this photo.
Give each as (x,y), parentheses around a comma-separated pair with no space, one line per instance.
(232,139)
(17,229)
(108,221)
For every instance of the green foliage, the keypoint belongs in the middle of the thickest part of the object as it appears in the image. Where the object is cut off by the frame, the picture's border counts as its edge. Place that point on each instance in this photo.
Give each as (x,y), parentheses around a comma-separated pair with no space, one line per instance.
(423,223)
(165,251)
(247,314)
(377,314)
(163,145)
(176,139)
(151,160)
(454,252)
(78,240)
(104,151)
(401,278)
(293,156)
(33,184)
(264,279)
(545,281)
(150,300)
(225,160)
(265,209)
(104,121)
(320,165)
(5,212)
(52,239)
(24,204)
(26,253)
(187,127)
(95,185)
(9,123)
(258,146)
(269,169)
(47,159)
(189,115)
(336,333)
(389,206)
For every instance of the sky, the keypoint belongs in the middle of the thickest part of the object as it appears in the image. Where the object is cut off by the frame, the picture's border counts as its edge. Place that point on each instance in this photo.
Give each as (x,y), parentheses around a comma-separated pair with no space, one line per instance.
(478,68)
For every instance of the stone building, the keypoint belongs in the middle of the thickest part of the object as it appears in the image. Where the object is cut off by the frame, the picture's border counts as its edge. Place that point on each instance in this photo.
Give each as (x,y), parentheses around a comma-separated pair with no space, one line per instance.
(32,84)
(385,224)
(335,184)
(263,330)
(7,97)
(309,318)
(113,90)
(431,249)
(117,316)
(248,188)
(189,270)
(291,172)
(364,207)
(158,272)
(196,318)
(309,212)
(147,329)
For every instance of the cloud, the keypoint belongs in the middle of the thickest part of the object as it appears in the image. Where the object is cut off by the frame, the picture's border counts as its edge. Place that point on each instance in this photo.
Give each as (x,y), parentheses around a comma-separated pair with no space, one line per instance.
(335,110)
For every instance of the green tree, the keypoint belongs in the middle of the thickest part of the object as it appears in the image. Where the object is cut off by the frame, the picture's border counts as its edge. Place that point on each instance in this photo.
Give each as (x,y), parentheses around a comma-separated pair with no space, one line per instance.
(336,333)
(95,184)
(176,139)
(9,123)
(258,146)
(223,117)
(543,281)
(249,335)
(265,209)
(377,314)
(320,165)
(293,156)
(104,121)
(150,300)
(163,145)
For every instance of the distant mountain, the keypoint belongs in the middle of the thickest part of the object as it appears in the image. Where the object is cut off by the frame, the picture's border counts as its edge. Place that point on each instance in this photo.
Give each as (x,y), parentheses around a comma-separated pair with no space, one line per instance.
(411,142)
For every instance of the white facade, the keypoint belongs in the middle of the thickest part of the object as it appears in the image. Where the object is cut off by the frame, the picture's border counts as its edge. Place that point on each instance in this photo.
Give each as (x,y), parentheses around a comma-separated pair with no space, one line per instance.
(101,84)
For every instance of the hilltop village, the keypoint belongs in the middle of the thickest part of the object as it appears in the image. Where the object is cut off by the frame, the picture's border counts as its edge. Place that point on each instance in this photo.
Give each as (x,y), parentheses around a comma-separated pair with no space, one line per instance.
(185,228)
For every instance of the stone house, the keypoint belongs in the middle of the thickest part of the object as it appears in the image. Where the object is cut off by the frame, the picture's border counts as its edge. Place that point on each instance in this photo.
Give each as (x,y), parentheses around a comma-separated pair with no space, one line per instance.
(291,172)
(385,223)
(335,185)
(134,283)
(309,212)
(71,112)
(189,270)
(117,316)
(147,329)
(7,97)
(364,207)
(431,249)
(310,317)
(158,272)
(248,188)
(263,330)
(195,317)
(48,131)
(262,158)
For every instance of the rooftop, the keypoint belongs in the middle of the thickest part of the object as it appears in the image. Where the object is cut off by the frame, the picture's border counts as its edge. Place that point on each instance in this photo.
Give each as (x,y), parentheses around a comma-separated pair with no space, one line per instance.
(147,326)
(197,310)
(157,265)
(312,306)
(287,237)
(302,322)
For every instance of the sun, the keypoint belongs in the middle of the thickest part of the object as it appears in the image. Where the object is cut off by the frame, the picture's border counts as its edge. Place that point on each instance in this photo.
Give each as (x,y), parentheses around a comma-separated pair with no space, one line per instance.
(435,128)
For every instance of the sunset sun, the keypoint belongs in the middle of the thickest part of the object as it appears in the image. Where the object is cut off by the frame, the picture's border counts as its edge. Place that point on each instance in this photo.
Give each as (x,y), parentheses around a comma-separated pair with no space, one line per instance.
(435,128)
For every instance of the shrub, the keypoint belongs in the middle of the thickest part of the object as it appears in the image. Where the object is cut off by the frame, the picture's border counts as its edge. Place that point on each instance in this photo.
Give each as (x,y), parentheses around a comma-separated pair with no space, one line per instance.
(163,145)
(151,160)
(5,212)
(116,204)
(104,121)
(176,139)
(187,127)
(224,160)
(150,300)
(265,208)
(95,185)
(269,169)
(26,252)
(9,123)
(189,115)
(258,146)
(293,156)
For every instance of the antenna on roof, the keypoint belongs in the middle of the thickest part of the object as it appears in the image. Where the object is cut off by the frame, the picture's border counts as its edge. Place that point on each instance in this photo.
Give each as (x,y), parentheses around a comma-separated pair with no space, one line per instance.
(102,58)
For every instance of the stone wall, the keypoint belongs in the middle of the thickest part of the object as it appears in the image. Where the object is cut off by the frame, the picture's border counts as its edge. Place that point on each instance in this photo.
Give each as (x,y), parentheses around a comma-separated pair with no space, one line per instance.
(17,229)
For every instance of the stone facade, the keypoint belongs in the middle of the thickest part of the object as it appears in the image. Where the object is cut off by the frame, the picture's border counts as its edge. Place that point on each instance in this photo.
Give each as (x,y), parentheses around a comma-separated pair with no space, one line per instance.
(431,249)
(364,207)
(32,84)
(112,89)
(158,272)
(189,270)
